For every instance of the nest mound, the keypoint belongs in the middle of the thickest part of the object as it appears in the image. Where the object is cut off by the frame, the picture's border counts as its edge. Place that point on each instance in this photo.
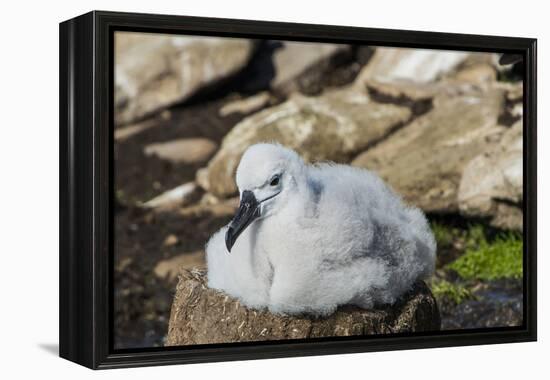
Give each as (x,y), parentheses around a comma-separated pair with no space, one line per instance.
(201,315)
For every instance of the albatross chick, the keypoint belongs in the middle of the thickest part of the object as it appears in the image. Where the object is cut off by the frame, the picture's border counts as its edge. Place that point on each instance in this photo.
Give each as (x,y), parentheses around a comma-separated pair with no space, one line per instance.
(308,238)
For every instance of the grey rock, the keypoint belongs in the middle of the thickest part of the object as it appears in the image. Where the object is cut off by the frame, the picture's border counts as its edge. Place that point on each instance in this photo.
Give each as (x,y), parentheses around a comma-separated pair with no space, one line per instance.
(128,131)
(335,126)
(201,178)
(247,105)
(492,182)
(220,209)
(424,161)
(293,59)
(478,73)
(154,71)
(170,240)
(177,197)
(463,73)
(401,90)
(415,65)
(188,151)
(170,268)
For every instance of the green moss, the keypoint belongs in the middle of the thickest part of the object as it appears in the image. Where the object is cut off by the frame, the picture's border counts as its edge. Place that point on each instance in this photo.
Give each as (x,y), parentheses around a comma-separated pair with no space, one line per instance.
(476,236)
(452,240)
(484,260)
(455,293)
(444,235)
(470,235)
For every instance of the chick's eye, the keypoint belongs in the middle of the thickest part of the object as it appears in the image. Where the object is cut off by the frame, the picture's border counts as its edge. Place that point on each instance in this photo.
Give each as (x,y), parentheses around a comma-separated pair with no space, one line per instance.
(275,181)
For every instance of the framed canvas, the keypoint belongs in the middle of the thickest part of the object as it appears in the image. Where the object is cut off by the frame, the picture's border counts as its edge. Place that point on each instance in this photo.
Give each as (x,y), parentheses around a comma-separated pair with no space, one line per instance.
(235,189)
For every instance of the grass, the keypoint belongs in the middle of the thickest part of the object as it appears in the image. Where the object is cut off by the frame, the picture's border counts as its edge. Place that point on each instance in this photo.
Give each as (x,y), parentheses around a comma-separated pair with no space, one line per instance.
(444,235)
(476,252)
(456,293)
(470,236)
(486,259)
(452,240)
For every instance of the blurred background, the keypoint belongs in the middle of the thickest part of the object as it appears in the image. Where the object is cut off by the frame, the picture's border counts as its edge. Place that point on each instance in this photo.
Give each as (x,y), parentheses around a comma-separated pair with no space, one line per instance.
(443,128)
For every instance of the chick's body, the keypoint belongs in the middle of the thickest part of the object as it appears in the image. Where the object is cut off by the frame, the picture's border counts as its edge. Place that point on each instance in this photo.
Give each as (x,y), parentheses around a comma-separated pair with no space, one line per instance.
(340,236)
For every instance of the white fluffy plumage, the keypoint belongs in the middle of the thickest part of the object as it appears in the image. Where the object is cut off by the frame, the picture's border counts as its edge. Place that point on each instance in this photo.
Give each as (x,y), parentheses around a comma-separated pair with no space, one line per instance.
(327,235)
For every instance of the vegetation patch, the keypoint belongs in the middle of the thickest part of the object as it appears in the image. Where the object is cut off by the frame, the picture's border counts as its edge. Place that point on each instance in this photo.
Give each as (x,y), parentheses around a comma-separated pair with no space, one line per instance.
(444,235)
(453,240)
(455,293)
(490,260)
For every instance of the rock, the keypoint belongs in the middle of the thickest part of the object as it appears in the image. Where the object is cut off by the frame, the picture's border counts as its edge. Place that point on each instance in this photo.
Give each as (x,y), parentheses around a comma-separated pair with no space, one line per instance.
(477,73)
(401,91)
(177,197)
(510,59)
(294,59)
(492,183)
(219,209)
(335,126)
(474,73)
(201,178)
(209,199)
(514,103)
(424,161)
(170,240)
(169,269)
(417,65)
(202,316)
(514,92)
(124,133)
(248,105)
(477,68)
(155,71)
(415,71)
(497,303)
(188,151)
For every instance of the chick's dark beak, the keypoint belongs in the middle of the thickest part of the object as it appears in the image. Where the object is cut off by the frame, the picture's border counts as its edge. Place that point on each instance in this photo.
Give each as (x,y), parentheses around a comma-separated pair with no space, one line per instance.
(249,209)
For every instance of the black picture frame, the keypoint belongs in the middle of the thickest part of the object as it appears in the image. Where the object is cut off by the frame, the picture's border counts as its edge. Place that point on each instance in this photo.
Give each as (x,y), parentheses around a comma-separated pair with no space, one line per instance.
(86,187)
